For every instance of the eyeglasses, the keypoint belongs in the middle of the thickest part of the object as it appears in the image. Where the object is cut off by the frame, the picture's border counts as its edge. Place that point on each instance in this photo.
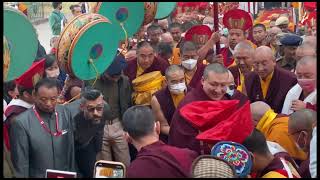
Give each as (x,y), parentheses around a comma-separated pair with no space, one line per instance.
(98,108)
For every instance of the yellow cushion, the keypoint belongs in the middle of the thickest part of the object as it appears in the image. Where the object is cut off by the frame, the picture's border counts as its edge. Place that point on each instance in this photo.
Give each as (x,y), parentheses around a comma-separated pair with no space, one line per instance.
(145,86)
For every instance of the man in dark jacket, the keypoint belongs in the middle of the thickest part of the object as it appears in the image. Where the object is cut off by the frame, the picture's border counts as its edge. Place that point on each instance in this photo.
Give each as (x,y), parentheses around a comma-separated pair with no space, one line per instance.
(116,90)
(89,123)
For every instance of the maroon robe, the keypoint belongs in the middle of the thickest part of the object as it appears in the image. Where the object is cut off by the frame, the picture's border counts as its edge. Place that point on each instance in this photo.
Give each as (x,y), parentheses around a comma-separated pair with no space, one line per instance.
(240,96)
(10,113)
(236,74)
(182,134)
(275,165)
(13,110)
(157,65)
(196,78)
(282,81)
(227,56)
(286,156)
(167,107)
(159,160)
(304,170)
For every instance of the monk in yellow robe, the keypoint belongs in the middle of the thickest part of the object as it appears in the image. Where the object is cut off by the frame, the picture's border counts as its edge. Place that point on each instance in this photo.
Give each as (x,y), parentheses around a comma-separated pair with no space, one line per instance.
(275,128)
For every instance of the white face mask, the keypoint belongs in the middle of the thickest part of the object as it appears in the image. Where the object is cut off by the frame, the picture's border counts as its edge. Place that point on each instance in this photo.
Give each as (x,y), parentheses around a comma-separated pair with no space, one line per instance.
(210,26)
(177,88)
(53,74)
(189,64)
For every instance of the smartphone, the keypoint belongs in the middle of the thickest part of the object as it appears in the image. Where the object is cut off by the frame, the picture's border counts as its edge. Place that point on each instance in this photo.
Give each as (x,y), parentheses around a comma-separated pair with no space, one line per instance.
(51,173)
(109,169)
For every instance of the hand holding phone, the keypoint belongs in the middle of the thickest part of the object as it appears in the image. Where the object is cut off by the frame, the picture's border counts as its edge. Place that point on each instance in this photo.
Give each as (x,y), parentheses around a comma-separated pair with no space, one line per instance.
(109,169)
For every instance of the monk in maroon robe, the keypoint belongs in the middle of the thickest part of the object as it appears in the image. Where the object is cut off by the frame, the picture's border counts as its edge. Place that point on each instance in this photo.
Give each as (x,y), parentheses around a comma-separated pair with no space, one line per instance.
(182,133)
(300,128)
(155,159)
(165,101)
(267,165)
(192,65)
(268,82)
(243,53)
(145,62)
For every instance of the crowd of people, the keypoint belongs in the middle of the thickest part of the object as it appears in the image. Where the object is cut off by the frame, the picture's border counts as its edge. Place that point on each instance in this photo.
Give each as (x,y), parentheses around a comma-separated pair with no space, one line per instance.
(172,103)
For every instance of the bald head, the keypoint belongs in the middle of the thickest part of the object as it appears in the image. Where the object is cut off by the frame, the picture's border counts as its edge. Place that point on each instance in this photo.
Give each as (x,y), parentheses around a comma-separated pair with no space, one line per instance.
(264,61)
(258,109)
(307,68)
(167,38)
(305,50)
(308,60)
(275,30)
(264,51)
(216,68)
(173,69)
(302,120)
(311,40)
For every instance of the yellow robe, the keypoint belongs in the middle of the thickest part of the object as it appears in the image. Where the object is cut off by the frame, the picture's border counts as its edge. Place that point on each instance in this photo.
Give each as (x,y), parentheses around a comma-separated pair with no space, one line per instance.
(265,84)
(239,88)
(276,130)
(139,70)
(176,56)
(176,98)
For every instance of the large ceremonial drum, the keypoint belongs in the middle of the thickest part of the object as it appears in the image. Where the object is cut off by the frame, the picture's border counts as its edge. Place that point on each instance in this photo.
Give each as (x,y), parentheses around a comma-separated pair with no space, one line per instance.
(150,10)
(6,58)
(87,46)
(20,44)
(164,9)
(129,14)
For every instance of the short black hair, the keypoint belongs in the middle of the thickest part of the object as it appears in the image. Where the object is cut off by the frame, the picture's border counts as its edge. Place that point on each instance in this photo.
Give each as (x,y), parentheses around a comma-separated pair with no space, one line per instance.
(56,4)
(73,6)
(90,94)
(153,27)
(175,25)
(143,44)
(138,121)
(164,48)
(187,25)
(49,60)
(256,143)
(188,46)
(48,83)
(8,86)
(21,90)
(260,25)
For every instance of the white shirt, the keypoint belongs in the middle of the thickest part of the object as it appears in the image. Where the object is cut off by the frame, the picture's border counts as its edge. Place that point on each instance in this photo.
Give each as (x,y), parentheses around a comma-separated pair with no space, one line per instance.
(4,108)
(313,154)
